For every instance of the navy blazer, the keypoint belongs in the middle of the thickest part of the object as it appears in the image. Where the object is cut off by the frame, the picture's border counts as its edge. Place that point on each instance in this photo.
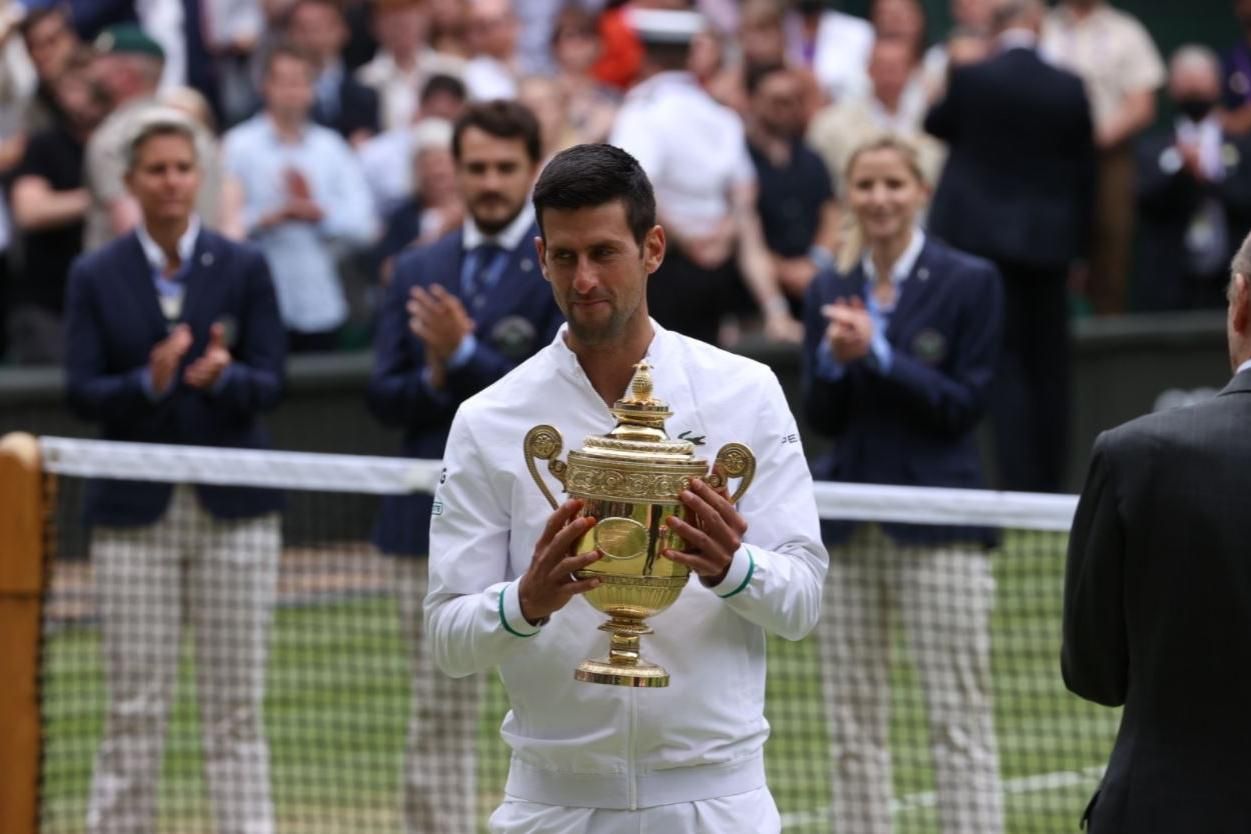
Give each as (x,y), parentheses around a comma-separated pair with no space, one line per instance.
(914,425)
(357,110)
(113,320)
(1018,185)
(519,318)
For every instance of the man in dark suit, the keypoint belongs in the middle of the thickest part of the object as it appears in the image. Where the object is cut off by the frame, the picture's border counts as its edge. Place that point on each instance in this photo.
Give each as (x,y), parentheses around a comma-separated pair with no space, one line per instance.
(1194,192)
(1017,190)
(174,337)
(460,313)
(342,103)
(1157,604)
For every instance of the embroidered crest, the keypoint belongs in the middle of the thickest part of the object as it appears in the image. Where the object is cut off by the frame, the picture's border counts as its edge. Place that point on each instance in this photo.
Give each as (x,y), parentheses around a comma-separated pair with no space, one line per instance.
(514,337)
(929,346)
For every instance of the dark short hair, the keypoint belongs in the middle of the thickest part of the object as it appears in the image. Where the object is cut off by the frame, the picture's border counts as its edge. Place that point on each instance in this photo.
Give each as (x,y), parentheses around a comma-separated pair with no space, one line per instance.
(160,121)
(286,49)
(442,83)
(757,73)
(503,119)
(38,15)
(587,176)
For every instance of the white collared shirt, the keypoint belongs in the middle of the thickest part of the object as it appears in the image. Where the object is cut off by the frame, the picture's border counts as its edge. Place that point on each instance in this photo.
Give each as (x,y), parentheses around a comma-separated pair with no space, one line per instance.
(902,267)
(156,255)
(1244,366)
(1207,137)
(510,237)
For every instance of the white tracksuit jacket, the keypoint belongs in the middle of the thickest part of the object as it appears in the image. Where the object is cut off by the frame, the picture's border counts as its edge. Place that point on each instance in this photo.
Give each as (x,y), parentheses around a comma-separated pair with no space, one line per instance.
(592,745)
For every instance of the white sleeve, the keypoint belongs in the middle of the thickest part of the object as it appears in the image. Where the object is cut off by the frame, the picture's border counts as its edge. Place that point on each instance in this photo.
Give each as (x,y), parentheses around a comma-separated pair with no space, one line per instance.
(776,577)
(636,135)
(472,611)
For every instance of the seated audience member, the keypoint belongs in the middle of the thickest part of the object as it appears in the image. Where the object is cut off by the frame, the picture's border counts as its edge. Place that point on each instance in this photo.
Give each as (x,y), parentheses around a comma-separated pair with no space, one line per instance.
(301,198)
(435,207)
(545,98)
(386,158)
(1194,193)
(833,45)
(896,107)
(342,103)
(901,343)
(173,336)
(798,212)
(493,70)
(591,105)
(49,208)
(53,47)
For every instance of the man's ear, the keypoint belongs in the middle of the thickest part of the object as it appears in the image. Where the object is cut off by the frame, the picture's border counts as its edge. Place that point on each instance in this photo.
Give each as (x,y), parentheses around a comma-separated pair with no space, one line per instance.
(654,244)
(540,248)
(1240,302)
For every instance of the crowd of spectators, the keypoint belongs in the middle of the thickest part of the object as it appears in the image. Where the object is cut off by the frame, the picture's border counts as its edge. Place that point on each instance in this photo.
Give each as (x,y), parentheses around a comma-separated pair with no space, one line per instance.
(325,129)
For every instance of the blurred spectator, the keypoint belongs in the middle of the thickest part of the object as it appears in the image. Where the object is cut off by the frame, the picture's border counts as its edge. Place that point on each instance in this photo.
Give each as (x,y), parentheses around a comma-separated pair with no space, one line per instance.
(900,349)
(461,312)
(833,45)
(762,42)
(492,71)
(797,209)
(1017,189)
(1194,193)
(708,63)
(545,98)
(126,71)
(386,158)
(233,33)
(968,41)
(303,200)
(575,48)
(447,27)
(1117,59)
(621,52)
(317,27)
(901,20)
(695,153)
(49,210)
(52,45)
(896,106)
(404,63)
(538,21)
(1237,74)
(434,207)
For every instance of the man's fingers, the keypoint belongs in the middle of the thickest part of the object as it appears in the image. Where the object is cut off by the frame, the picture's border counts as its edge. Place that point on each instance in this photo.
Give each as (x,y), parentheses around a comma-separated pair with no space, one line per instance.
(695,538)
(571,564)
(710,518)
(700,564)
(720,502)
(565,540)
(556,521)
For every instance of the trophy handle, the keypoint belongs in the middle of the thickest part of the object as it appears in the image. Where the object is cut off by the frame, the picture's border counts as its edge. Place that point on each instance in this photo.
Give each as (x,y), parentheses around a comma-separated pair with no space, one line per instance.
(544,443)
(734,460)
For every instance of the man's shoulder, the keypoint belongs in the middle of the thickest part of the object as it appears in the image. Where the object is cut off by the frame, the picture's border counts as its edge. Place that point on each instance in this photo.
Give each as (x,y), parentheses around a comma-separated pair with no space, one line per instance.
(415,266)
(104,260)
(711,365)
(514,391)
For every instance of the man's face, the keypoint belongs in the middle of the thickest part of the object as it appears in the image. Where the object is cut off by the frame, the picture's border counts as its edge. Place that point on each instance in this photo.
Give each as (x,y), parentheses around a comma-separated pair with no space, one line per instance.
(492,29)
(319,30)
(890,64)
(165,178)
(442,105)
(51,44)
(288,88)
(778,104)
(597,270)
(495,176)
(401,30)
(1194,82)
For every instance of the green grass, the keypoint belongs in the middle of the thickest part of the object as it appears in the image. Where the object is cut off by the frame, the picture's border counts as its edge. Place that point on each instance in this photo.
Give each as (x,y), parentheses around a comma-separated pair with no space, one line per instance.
(337,701)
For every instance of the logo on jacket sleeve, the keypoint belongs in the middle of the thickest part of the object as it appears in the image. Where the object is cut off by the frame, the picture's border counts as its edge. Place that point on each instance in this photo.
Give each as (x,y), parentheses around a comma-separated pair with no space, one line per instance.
(930,346)
(514,337)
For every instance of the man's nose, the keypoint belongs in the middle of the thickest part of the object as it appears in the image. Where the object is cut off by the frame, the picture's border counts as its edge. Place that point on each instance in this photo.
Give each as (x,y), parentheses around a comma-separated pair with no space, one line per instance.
(585,278)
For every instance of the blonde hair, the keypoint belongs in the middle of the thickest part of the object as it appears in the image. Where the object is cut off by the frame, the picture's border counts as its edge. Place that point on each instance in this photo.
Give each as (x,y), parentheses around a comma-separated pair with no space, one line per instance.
(852,248)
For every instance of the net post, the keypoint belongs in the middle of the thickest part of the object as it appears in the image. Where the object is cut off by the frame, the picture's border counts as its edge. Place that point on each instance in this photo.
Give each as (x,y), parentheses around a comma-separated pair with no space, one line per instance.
(22,514)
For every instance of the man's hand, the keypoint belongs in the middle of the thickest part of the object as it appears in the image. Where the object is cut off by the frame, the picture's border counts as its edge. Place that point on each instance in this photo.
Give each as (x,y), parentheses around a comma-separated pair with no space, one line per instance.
(165,356)
(712,250)
(714,538)
(204,372)
(850,330)
(548,584)
(1192,163)
(439,319)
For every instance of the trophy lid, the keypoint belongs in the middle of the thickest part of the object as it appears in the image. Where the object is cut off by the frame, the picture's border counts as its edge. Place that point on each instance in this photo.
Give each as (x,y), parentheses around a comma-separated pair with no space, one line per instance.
(640,431)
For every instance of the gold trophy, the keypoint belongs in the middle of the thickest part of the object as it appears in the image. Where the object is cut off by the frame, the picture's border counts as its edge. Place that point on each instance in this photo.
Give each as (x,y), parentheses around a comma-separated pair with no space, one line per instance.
(630,479)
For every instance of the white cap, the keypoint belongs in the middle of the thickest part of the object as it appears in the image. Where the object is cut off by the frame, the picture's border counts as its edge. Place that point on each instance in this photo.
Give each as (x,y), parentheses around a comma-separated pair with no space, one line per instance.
(665,27)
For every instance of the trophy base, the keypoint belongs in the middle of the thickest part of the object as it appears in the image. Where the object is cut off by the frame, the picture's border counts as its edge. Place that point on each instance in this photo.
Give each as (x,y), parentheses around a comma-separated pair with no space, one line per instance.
(641,674)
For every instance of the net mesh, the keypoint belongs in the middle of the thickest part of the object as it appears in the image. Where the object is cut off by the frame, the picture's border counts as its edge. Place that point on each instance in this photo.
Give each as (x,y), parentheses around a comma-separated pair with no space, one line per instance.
(295,718)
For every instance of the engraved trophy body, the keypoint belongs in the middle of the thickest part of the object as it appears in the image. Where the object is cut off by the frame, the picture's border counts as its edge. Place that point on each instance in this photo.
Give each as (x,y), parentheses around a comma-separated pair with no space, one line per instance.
(630,480)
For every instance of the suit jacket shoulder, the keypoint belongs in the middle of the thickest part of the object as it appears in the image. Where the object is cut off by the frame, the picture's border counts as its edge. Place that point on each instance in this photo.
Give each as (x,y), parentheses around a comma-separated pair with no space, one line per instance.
(417,265)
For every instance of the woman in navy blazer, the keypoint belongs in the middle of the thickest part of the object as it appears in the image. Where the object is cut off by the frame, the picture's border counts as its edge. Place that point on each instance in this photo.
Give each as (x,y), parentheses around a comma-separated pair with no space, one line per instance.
(901,345)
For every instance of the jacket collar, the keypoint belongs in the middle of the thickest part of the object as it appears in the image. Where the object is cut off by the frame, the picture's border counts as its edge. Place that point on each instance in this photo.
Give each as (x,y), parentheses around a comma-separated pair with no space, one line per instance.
(1241,382)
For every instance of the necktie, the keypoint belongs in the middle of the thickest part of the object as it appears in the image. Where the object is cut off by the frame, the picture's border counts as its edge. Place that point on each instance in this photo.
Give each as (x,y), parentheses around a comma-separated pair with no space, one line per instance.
(482,260)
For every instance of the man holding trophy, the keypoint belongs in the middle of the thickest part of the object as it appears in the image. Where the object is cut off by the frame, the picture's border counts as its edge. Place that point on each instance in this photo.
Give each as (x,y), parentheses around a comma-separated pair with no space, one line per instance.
(674,740)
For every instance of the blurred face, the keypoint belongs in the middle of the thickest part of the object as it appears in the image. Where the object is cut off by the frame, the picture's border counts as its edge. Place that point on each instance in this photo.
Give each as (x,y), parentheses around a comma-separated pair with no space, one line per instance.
(442,105)
(51,44)
(319,30)
(547,104)
(885,195)
(402,30)
(778,105)
(575,47)
(288,88)
(79,99)
(436,171)
(494,176)
(762,40)
(1195,89)
(898,19)
(974,13)
(165,179)
(598,271)
(890,65)
(492,29)
(705,55)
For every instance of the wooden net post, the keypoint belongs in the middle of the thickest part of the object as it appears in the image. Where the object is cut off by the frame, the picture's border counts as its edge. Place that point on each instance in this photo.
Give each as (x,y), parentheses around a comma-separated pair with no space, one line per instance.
(22,514)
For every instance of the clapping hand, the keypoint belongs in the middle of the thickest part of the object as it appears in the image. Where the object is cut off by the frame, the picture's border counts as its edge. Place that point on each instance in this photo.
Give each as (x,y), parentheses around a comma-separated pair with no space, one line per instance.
(439,319)
(165,356)
(850,330)
(204,372)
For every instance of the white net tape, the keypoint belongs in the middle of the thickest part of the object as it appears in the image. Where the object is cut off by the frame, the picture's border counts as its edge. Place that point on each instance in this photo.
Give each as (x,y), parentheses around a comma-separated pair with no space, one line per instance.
(394,476)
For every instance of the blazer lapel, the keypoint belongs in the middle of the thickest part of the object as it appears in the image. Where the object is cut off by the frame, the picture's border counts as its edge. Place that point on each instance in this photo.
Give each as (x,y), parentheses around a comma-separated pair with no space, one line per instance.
(197,280)
(1240,384)
(137,274)
(911,291)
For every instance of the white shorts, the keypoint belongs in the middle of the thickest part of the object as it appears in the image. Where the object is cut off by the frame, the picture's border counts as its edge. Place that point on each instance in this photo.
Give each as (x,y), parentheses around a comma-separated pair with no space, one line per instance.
(753,812)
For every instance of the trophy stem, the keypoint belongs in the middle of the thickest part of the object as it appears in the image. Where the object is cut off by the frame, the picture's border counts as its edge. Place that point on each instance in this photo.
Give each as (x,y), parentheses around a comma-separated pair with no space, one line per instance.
(623,666)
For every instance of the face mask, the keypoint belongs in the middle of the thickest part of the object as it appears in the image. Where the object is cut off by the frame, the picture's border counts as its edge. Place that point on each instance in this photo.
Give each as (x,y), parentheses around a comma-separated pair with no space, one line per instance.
(1196,109)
